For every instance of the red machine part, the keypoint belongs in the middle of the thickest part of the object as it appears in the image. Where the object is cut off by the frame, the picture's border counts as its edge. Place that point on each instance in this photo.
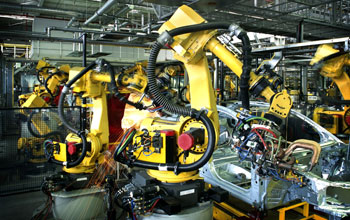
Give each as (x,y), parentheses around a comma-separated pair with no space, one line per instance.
(185,141)
(72,149)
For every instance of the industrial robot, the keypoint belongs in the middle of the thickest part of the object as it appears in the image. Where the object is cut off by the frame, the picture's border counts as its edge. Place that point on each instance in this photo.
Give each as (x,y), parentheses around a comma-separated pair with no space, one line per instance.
(46,124)
(332,63)
(167,152)
(45,94)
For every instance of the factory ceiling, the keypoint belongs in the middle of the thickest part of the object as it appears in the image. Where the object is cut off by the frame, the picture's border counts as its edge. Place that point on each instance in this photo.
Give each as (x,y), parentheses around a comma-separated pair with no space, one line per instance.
(320,19)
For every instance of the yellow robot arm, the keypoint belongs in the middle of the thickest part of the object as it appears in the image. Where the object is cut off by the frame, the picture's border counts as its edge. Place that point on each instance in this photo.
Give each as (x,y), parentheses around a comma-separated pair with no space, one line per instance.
(90,84)
(51,78)
(197,130)
(332,63)
(188,48)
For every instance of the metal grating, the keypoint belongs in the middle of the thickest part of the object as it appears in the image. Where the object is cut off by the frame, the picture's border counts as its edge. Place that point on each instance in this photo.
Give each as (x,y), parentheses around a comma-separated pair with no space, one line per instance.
(22,161)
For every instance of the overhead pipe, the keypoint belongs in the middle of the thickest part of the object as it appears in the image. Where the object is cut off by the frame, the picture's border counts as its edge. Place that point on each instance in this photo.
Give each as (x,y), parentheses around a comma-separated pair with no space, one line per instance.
(15,35)
(71,21)
(121,12)
(63,60)
(123,34)
(35,9)
(100,11)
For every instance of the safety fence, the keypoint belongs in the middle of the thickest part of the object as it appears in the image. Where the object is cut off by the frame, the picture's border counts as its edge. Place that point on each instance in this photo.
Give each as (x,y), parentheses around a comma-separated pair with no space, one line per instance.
(22,133)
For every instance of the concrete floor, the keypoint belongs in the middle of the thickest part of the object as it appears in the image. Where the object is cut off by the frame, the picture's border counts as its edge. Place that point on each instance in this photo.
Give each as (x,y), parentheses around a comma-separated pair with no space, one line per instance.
(20,206)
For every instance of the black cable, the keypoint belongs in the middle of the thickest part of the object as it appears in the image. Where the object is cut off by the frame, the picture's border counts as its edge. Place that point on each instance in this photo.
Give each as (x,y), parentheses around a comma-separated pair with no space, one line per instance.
(246,53)
(186,167)
(115,91)
(63,95)
(69,164)
(50,134)
(198,27)
(183,96)
(82,73)
(247,60)
(47,80)
(173,108)
(40,70)
(46,84)
(81,134)
(334,101)
(153,87)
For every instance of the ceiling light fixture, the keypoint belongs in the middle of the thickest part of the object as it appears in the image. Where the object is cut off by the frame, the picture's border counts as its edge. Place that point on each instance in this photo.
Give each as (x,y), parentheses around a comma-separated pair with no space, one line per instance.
(17,17)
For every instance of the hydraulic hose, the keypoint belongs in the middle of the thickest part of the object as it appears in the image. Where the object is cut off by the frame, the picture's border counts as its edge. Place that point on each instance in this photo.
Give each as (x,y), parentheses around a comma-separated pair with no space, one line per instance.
(47,80)
(46,85)
(41,69)
(198,27)
(244,84)
(331,100)
(64,93)
(247,60)
(31,131)
(115,91)
(153,87)
(173,108)
(81,134)
(177,167)
(183,96)
(82,155)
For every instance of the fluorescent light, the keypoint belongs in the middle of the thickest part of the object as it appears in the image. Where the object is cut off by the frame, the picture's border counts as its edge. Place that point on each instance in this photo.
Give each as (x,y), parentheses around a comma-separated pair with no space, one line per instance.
(134,11)
(17,17)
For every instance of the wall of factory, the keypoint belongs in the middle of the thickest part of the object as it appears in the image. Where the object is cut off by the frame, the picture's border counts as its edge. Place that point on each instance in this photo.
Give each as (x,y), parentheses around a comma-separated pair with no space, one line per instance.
(63,50)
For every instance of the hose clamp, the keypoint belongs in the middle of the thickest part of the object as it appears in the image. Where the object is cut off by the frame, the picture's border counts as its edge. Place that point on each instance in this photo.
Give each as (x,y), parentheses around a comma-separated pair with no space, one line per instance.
(100,62)
(65,89)
(235,30)
(197,114)
(176,168)
(162,168)
(165,38)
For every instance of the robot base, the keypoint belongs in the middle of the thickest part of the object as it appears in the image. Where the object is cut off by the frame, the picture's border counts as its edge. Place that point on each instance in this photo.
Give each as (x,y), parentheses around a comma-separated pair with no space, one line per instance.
(203,211)
(79,204)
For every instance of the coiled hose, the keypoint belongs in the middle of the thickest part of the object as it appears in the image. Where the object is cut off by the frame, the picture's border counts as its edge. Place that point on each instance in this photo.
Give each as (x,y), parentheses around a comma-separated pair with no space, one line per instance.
(246,52)
(247,62)
(153,87)
(173,108)
(244,82)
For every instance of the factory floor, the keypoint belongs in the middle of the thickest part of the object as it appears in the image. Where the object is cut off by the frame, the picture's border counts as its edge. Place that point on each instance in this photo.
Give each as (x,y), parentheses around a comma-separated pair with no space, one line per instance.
(20,206)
